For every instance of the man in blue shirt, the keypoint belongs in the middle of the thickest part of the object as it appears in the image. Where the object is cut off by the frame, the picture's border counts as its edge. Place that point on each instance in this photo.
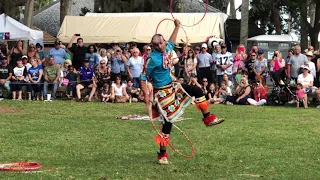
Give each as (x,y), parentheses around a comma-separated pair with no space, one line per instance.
(86,80)
(58,53)
(171,98)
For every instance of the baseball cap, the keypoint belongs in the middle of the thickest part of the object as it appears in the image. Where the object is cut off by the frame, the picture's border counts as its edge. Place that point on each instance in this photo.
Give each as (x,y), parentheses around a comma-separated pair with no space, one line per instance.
(261,51)
(306,67)
(24,57)
(86,60)
(204,45)
(149,47)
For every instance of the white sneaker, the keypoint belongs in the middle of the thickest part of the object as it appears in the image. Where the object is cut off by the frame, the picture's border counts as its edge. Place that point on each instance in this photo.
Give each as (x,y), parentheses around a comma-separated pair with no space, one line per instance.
(292,101)
(163,161)
(229,103)
(1,99)
(318,107)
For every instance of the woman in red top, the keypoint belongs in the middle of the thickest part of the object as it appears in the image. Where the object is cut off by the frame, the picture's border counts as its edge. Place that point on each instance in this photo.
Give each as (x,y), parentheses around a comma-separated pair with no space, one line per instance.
(259,92)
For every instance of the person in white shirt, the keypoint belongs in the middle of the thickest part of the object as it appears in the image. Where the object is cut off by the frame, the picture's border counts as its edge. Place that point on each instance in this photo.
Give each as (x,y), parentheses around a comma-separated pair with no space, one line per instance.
(311,64)
(134,67)
(306,79)
(224,63)
(204,63)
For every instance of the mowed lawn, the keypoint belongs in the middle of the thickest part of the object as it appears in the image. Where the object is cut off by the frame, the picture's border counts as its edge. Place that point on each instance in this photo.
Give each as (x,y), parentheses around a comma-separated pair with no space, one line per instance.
(85,141)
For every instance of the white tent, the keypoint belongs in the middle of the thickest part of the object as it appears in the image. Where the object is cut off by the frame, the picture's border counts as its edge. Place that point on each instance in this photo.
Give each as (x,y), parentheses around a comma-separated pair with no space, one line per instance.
(275,38)
(17,30)
(139,27)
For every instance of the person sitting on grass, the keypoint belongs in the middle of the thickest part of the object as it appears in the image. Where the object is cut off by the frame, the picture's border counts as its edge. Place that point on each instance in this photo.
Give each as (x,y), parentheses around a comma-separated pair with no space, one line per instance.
(118,92)
(259,92)
(72,78)
(243,92)
(133,93)
(17,79)
(105,93)
(35,74)
(227,80)
(86,80)
(223,92)
(212,96)
(238,76)
(301,96)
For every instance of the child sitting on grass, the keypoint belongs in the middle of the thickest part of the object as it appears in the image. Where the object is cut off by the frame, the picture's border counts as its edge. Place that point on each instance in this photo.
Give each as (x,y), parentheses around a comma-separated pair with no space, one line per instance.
(212,94)
(238,76)
(105,93)
(134,93)
(224,91)
(301,96)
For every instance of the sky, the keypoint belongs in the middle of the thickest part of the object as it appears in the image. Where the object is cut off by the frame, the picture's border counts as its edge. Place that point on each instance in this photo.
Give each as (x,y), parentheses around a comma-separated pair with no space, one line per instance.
(237,3)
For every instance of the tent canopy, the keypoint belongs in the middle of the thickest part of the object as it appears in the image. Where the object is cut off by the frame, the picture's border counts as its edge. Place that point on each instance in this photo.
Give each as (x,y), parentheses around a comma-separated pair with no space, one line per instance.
(17,30)
(139,27)
(271,38)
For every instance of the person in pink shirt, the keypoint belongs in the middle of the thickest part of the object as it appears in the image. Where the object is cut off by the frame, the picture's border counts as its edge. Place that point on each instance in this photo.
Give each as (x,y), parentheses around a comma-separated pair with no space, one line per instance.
(259,93)
(301,96)
(277,66)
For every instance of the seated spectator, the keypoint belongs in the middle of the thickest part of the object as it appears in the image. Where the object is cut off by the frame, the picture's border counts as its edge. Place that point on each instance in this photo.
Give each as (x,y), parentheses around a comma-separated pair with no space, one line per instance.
(51,78)
(92,56)
(227,81)
(87,80)
(35,74)
(261,64)
(301,96)
(194,81)
(105,93)
(306,79)
(17,80)
(245,75)
(223,92)
(250,66)
(181,80)
(118,92)
(205,86)
(318,96)
(61,78)
(243,92)
(5,76)
(212,97)
(238,76)
(65,68)
(72,78)
(25,62)
(259,93)
(133,93)
(134,67)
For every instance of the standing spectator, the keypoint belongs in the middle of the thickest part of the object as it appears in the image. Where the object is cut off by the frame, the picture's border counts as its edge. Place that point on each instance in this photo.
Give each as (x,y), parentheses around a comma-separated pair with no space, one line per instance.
(243,92)
(134,67)
(102,74)
(250,66)
(196,51)
(79,51)
(190,64)
(35,74)
(16,53)
(290,53)
(224,63)
(40,52)
(295,62)
(87,80)
(92,56)
(204,62)
(311,64)
(261,64)
(17,80)
(58,53)
(103,56)
(119,92)
(301,96)
(4,52)
(277,67)
(32,52)
(259,93)
(239,59)
(146,52)
(5,76)
(116,63)
(215,53)
(51,78)
(64,48)
(72,78)
(126,52)
(317,62)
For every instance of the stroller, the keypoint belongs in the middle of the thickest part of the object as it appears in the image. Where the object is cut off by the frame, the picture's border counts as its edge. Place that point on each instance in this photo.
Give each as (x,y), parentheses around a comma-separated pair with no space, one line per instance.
(281,94)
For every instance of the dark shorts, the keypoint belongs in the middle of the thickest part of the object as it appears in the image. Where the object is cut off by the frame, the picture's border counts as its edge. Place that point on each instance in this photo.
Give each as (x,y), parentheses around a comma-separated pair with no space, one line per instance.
(86,84)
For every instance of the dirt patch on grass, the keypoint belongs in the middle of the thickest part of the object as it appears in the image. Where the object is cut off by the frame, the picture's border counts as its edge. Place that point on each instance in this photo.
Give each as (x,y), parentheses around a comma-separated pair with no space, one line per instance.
(7,109)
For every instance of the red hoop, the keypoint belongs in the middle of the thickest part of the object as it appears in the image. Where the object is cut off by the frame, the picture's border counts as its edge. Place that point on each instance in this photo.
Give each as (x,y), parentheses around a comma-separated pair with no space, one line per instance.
(20,166)
(205,13)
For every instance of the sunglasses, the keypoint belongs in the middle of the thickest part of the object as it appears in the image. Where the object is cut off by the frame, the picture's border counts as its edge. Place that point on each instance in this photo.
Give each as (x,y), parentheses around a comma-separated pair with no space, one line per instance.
(102,63)
(253,55)
(197,49)
(204,81)
(148,49)
(223,47)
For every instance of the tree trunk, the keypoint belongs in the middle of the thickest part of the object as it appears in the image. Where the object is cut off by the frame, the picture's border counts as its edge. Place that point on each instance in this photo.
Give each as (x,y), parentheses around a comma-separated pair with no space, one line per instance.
(312,12)
(304,26)
(314,39)
(65,9)
(96,6)
(315,29)
(276,16)
(181,6)
(244,22)
(233,14)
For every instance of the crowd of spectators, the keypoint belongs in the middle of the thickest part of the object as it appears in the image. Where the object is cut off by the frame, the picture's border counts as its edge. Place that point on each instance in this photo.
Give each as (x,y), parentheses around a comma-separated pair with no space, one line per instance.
(112,72)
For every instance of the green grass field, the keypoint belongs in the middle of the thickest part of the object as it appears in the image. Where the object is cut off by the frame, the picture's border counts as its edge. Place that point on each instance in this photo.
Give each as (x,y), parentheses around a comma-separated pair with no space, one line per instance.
(86,141)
